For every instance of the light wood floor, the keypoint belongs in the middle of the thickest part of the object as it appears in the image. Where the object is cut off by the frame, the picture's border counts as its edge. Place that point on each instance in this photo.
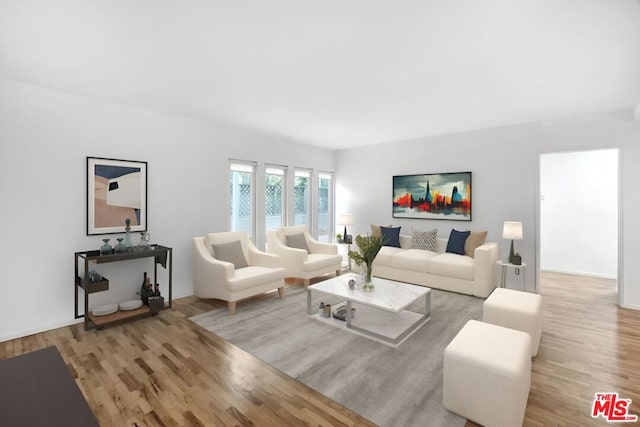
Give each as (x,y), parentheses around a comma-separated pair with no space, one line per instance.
(166,371)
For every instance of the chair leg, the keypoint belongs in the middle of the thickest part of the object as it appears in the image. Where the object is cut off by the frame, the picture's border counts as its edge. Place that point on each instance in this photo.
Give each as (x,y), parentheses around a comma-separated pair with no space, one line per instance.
(281,292)
(232,307)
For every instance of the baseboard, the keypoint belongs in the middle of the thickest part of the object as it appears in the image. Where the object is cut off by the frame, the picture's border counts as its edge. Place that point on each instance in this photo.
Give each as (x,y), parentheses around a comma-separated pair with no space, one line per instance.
(38,330)
(631,307)
(577,273)
(33,331)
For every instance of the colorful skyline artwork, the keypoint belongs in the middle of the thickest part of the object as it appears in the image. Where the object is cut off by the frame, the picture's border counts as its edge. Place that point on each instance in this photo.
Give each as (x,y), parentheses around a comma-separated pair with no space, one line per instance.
(433,196)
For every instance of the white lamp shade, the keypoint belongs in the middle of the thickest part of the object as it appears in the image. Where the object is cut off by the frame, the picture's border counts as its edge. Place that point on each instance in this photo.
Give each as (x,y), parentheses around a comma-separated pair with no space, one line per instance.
(345,219)
(512,230)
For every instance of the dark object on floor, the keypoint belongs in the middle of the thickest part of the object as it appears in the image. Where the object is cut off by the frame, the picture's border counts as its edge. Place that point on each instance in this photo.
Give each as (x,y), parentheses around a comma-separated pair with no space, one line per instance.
(37,389)
(341,312)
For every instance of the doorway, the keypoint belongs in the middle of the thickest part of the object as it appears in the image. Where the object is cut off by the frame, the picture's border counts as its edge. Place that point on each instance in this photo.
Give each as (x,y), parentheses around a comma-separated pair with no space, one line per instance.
(579,213)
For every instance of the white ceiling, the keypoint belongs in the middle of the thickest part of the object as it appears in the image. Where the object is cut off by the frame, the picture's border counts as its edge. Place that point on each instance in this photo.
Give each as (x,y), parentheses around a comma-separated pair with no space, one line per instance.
(334,73)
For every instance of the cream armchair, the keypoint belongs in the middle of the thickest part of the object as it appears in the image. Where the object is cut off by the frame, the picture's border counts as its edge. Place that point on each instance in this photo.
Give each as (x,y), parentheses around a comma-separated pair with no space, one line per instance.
(298,262)
(228,266)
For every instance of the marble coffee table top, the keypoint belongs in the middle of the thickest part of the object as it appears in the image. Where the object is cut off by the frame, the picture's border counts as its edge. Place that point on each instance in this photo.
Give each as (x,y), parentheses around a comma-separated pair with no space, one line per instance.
(387,295)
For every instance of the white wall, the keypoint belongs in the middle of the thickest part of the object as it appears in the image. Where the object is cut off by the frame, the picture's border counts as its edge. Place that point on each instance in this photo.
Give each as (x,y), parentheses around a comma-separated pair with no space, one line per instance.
(45,137)
(505,163)
(579,213)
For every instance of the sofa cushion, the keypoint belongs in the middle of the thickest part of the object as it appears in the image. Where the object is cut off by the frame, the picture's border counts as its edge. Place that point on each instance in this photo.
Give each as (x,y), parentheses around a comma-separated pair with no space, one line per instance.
(386,254)
(456,242)
(426,240)
(297,241)
(230,252)
(452,265)
(475,239)
(318,261)
(412,260)
(253,276)
(390,236)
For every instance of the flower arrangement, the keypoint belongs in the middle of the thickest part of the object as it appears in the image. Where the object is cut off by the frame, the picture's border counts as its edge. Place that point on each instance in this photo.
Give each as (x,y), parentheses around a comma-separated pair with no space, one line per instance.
(368,248)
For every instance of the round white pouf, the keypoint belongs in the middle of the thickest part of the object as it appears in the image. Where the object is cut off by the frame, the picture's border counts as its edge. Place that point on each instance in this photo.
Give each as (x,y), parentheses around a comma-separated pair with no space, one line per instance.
(487,374)
(516,310)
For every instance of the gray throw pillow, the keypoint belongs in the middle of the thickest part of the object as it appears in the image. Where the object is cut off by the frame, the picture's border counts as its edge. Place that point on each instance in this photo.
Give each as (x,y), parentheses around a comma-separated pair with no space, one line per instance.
(230,252)
(298,241)
(426,240)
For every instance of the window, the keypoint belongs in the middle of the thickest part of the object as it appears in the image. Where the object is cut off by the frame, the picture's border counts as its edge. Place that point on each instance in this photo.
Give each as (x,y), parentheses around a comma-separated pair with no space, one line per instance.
(242,197)
(275,180)
(302,197)
(325,207)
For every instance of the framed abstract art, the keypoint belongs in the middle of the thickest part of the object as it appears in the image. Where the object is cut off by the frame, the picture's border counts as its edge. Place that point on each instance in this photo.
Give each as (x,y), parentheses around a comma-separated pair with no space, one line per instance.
(116,191)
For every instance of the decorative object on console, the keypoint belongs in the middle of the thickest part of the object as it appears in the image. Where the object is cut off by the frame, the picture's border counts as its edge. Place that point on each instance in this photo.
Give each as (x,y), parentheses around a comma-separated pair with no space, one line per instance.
(104,310)
(345,219)
(512,230)
(106,248)
(368,246)
(143,245)
(116,190)
(433,196)
(156,301)
(130,305)
(120,248)
(127,237)
(457,240)
(145,289)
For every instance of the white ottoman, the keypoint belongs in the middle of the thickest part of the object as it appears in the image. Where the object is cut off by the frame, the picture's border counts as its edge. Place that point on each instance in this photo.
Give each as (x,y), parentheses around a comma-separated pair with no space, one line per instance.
(516,310)
(487,374)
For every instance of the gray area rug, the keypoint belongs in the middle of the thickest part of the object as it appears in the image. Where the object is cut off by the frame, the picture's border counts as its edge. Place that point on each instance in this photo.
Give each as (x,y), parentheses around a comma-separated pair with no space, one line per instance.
(389,386)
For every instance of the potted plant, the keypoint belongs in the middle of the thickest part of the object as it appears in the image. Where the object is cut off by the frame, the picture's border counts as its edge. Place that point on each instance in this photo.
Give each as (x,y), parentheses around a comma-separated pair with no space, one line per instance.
(368,248)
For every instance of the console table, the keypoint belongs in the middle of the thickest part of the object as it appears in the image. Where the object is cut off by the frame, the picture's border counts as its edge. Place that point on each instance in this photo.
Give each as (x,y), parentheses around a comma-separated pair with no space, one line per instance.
(161,255)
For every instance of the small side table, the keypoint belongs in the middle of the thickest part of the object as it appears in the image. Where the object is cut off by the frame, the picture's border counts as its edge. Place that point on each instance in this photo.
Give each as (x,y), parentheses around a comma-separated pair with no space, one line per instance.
(503,277)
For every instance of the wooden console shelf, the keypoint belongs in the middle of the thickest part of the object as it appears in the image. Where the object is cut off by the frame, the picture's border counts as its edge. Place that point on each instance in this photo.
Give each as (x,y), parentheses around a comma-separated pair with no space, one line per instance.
(161,255)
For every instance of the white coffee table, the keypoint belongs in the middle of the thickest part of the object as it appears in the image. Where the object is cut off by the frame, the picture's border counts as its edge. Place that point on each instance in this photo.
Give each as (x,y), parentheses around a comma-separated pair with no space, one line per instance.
(382,314)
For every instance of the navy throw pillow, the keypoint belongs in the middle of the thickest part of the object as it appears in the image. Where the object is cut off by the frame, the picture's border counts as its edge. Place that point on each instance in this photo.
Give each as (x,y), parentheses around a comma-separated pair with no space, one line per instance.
(456,242)
(391,236)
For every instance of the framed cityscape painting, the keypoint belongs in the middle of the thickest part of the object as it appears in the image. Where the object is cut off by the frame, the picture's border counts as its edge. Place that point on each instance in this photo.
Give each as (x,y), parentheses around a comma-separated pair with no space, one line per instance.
(116,191)
(433,196)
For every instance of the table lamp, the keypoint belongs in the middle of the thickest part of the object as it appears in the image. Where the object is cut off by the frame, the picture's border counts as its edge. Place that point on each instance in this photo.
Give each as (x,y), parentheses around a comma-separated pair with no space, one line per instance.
(345,219)
(512,230)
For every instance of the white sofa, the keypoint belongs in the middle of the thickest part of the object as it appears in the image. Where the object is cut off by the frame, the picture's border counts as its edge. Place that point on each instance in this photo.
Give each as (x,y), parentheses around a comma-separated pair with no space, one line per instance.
(321,259)
(440,270)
